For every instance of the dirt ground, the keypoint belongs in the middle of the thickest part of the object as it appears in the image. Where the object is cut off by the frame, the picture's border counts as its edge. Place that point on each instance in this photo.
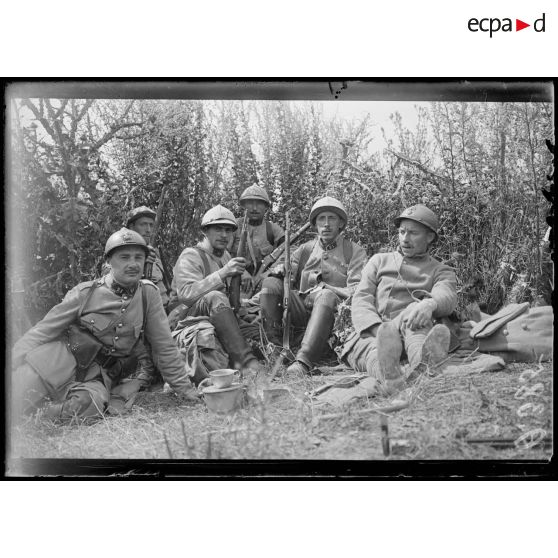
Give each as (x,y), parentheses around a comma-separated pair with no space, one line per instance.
(445,413)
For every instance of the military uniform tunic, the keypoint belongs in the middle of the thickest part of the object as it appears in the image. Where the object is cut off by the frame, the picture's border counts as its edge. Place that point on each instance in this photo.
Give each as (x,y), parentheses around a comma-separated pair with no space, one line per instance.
(326,263)
(390,283)
(191,282)
(115,320)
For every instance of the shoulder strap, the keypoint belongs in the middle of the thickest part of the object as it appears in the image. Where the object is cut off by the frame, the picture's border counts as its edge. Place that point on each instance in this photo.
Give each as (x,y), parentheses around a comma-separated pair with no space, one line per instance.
(205,261)
(93,286)
(144,307)
(304,256)
(347,250)
(269,232)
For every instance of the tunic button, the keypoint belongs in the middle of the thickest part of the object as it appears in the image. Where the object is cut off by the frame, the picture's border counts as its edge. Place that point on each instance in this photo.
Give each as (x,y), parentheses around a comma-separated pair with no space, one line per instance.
(119,325)
(125,297)
(505,331)
(116,337)
(123,310)
(112,350)
(92,321)
(326,256)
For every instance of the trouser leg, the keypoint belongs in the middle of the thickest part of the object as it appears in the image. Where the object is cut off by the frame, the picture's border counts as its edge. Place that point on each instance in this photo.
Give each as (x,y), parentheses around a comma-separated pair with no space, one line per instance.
(271,301)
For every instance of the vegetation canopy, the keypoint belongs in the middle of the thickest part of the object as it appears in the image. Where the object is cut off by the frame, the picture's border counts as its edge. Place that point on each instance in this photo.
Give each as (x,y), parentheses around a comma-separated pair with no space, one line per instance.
(78,166)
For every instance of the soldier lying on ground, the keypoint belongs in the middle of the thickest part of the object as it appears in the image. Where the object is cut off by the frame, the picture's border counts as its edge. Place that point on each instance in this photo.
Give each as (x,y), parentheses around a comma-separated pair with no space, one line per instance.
(396,303)
(326,270)
(199,290)
(263,235)
(80,353)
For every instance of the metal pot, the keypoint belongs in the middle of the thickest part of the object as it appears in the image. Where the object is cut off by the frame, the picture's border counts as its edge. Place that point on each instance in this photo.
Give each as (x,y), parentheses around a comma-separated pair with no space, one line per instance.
(222,400)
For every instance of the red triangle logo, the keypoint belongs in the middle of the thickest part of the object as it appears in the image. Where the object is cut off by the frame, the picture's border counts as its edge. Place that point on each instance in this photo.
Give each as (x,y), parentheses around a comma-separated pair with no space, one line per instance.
(519,25)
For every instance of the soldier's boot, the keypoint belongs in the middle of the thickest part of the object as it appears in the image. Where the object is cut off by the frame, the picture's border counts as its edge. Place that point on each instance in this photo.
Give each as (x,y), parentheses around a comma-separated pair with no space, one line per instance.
(229,334)
(272,316)
(315,338)
(433,351)
(79,403)
(390,348)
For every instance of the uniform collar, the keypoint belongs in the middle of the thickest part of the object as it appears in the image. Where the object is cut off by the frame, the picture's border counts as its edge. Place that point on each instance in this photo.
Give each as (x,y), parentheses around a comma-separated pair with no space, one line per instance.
(331,245)
(119,289)
(415,257)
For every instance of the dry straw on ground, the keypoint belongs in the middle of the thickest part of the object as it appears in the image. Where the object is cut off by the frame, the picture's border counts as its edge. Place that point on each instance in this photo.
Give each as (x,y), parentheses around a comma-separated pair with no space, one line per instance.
(445,411)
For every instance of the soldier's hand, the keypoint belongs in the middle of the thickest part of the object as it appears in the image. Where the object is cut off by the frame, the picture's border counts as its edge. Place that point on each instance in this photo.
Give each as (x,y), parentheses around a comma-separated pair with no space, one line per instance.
(152,256)
(234,266)
(277,271)
(419,314)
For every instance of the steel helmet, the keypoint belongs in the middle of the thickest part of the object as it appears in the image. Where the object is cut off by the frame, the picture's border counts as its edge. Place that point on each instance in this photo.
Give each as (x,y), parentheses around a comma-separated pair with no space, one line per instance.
(218,215)
(125,237)
(255,192)
(421,214)
(328,204)
(137,212)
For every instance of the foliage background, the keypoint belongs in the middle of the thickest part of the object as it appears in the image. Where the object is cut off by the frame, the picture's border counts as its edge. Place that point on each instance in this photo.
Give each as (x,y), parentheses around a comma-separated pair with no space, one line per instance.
(77,166)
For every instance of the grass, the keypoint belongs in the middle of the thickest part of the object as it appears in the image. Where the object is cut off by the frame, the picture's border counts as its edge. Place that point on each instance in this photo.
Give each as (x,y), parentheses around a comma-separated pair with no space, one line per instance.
(445,411)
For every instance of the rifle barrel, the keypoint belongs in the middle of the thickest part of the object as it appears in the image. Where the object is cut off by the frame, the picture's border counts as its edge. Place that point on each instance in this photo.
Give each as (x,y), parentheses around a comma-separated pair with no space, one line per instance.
(234,295)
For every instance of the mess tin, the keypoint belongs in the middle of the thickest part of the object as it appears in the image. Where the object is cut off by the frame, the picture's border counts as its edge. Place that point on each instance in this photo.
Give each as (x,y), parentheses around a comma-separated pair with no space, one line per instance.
(222,400)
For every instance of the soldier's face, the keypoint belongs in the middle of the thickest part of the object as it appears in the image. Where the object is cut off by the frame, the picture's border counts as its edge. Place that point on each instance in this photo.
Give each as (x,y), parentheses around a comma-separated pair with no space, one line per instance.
(329,225)
(219,236)
(256,209)
(143,226)
(127,265)
(414,238)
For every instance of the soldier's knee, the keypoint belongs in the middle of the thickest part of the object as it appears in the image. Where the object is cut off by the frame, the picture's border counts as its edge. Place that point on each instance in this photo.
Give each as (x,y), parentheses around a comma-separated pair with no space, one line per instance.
(272,285)
(327,298)
(216,299)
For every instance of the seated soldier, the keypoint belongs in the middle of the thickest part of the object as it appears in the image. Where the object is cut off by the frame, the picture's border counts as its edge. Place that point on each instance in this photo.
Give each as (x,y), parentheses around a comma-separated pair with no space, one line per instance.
(396,303)
(200,286)
(326,270)
(79,354)
(263,235)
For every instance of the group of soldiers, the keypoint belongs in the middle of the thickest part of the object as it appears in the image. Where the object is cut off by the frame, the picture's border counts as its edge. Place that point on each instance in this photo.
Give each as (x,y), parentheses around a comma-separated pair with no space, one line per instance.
(110,337)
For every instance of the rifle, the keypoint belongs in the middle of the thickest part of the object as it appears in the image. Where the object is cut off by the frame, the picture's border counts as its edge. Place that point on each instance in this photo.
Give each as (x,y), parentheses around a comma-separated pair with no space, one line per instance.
(286,299)
(167,276)
(234,295)
(148,269)
(270,259)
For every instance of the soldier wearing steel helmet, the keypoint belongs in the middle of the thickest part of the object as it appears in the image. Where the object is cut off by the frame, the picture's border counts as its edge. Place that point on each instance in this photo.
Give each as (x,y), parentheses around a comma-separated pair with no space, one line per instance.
(200,289)
(142,220)
(326,271)
(397,302)
(263,235)
(80,353)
